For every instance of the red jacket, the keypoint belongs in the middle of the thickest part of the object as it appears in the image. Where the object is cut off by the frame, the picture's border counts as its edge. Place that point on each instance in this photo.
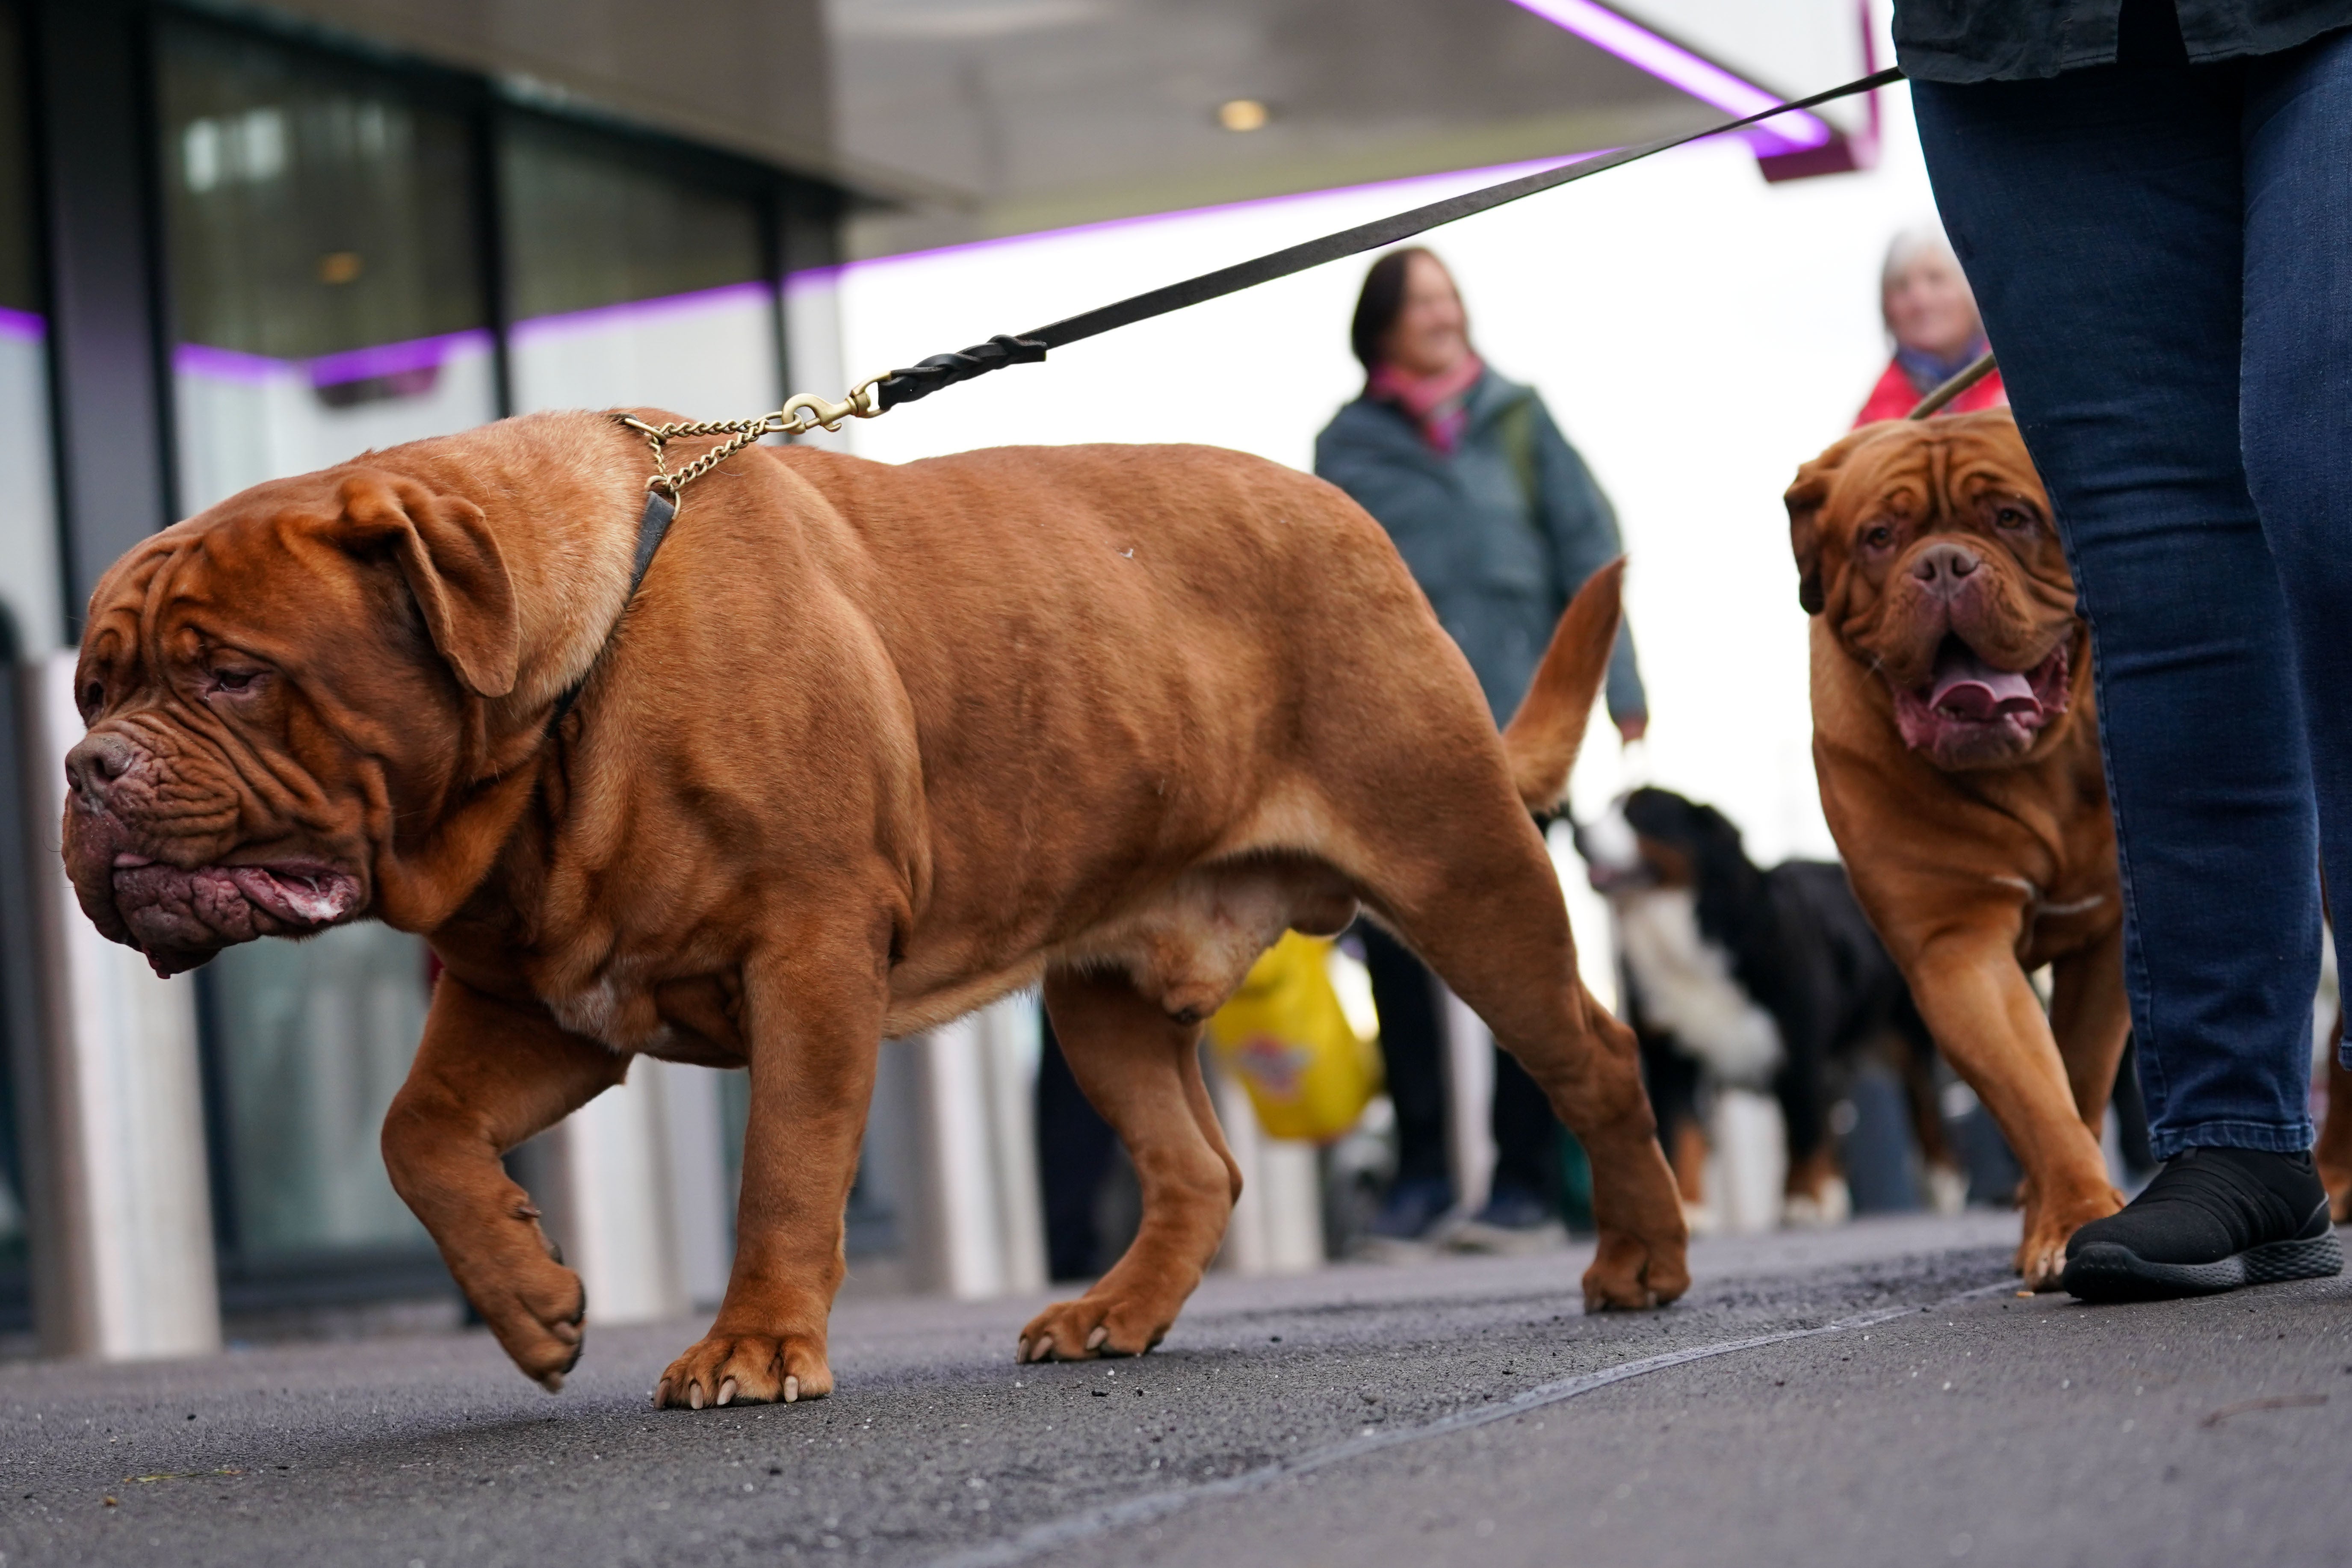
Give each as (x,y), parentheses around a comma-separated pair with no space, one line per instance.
(1894,397)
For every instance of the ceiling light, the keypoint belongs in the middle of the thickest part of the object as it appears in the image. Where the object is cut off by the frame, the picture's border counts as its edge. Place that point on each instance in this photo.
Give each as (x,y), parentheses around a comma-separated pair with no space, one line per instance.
(1241,114)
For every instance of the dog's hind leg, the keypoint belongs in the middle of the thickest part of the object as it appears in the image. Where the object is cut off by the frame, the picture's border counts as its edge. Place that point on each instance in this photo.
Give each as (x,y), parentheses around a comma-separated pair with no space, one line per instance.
(1142,1069)
(488,1075)
(1481,904)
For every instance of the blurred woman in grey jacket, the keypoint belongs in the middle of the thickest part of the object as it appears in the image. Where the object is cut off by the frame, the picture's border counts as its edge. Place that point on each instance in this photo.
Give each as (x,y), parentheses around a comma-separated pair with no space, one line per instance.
(1500,522)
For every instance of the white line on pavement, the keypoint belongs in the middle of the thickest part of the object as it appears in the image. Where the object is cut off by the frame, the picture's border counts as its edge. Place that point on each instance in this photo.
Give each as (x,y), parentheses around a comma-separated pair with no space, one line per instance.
(1087,1524)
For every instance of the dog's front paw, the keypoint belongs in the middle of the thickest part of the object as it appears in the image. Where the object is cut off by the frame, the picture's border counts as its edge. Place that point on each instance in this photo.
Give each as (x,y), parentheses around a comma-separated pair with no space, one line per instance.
(532,1303)
(1644,1257)
(745,1369)
(1094,1325)
(1630,1274)
(2041,1252)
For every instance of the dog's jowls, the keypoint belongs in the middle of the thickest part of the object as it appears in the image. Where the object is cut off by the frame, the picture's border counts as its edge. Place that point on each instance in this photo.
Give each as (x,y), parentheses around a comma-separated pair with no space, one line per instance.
(871,746)
(1958,749)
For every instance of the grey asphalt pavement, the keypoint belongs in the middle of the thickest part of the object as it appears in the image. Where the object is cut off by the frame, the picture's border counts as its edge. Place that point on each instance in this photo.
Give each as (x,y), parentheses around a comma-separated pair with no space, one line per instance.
(1798,1406)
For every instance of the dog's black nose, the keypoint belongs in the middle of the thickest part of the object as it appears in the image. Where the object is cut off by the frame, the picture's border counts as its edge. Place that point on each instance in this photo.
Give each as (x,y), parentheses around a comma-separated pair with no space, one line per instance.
(1942,568)
(94,764)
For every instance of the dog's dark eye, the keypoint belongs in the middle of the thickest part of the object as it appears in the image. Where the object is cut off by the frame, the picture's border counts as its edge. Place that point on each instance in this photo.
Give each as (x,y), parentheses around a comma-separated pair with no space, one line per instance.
(1878,536)
(93,698)
(233,680)
(2010,518)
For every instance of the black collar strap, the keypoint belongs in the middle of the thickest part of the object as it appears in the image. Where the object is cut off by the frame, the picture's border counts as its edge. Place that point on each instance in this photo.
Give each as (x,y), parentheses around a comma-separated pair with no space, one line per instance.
(653,527)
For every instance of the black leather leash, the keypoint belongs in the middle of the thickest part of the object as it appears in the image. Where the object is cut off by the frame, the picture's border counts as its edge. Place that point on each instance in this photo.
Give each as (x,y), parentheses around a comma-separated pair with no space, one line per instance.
(878,394)
(1983,365)
(920,380)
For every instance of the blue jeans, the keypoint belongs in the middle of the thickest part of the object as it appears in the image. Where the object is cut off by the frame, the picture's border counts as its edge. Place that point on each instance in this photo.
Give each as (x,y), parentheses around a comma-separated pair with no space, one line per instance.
(2163,255)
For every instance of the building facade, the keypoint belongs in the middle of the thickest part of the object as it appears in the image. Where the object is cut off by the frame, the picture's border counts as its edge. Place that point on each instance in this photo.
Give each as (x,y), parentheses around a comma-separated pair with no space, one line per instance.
(239,246)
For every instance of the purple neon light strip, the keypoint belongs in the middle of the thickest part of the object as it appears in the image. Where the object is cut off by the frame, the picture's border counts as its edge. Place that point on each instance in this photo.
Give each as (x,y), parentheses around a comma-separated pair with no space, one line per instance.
(1678,67)
(22,324)
(641,313)
(423,354)
(391,358)
(229,364)
(328,370)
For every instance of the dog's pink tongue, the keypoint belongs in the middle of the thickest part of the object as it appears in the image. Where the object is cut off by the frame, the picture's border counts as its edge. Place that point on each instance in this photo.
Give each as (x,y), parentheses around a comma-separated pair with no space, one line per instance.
(1967,687)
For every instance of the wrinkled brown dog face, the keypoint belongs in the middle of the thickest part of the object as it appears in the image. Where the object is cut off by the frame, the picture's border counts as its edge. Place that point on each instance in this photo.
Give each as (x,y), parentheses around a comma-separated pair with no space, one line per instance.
(274,691)
(1927,549)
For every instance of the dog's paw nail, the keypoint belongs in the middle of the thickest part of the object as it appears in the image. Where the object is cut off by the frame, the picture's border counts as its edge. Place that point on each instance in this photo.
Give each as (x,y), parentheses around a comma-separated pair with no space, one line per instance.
(694,1395)
(1042,1348)
(553,1383)
(792,1391)
(1021,1354)
(727,1392)
(1095,1340)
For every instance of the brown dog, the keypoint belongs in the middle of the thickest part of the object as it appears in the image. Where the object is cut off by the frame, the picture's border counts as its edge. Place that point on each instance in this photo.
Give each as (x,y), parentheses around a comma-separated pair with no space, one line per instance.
(870,746)
(1958,749)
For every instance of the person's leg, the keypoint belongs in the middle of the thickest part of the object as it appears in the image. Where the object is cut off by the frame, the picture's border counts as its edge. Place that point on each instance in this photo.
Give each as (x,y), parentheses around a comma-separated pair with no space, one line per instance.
(1521,1212)
(1527,1136)
(2098,216)
(1413,1049)
(2102,216)
(2297,384)
(1075,1146)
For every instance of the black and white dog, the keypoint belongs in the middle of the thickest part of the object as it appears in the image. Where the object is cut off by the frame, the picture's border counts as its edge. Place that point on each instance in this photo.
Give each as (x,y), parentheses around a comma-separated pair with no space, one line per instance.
(1772,981)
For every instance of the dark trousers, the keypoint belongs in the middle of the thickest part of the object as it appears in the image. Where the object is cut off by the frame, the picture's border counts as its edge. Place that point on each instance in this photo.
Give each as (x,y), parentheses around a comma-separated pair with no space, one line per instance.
(1074,1150)
(2163,254)
(1412,1045)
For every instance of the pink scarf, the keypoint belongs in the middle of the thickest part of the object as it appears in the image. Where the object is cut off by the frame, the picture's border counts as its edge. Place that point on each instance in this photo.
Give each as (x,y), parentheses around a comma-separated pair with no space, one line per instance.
(1438,405)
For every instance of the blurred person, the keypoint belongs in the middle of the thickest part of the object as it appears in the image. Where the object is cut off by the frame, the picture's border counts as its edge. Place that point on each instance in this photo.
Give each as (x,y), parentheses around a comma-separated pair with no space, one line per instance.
(2150,203)
(1077,1152)
(1929,311)
(1500,522)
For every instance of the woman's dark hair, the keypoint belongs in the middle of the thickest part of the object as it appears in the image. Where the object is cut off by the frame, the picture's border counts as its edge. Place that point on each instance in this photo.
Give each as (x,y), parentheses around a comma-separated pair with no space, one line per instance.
(1382,300)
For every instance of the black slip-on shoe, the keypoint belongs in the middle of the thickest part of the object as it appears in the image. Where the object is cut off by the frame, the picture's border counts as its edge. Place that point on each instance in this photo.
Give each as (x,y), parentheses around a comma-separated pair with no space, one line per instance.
(2214,1219)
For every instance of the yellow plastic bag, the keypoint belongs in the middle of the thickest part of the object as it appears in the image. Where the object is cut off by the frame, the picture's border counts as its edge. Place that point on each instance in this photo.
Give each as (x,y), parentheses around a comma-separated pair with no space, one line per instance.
(1285,1036)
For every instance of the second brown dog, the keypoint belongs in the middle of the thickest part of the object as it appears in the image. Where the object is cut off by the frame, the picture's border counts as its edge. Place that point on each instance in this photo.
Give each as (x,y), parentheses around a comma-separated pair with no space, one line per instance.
(1958,749)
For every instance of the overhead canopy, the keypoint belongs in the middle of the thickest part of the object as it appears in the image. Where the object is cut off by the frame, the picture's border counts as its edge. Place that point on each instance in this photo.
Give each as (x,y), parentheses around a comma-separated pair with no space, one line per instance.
(962,119)
(1029,114)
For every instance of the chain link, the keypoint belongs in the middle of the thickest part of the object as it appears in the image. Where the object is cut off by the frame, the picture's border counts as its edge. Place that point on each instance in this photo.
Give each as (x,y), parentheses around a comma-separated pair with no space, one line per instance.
(798,416)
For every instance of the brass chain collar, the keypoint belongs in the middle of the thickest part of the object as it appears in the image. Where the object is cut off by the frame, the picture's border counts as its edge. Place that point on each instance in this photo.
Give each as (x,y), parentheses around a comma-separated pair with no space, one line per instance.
(798,416)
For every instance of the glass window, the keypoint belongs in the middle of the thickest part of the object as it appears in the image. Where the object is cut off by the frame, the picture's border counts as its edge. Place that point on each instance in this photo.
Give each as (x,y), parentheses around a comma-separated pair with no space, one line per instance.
(327,288)
(32,595)
(318,1036)
(631,285)
(324,263)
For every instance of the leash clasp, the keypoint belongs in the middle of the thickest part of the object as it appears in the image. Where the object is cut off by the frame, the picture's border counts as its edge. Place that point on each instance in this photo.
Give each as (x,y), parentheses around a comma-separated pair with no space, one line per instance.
(798,416)
(807,412)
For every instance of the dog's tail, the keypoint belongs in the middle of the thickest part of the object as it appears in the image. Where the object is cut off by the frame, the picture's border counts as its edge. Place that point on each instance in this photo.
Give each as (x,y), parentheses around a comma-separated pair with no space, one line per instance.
(1544,736)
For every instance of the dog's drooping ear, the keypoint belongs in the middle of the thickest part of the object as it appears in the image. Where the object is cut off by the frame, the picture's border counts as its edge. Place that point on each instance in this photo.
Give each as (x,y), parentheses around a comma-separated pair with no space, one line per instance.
(1804,500)
(454,568)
